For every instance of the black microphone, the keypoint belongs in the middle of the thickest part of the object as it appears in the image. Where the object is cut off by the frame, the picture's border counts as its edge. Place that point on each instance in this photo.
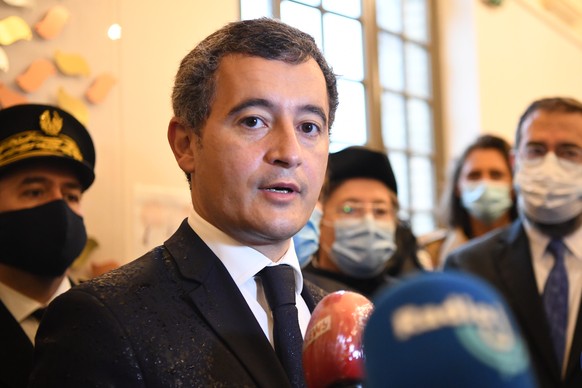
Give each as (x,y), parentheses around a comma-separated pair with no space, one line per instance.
(332,348)
(444,330)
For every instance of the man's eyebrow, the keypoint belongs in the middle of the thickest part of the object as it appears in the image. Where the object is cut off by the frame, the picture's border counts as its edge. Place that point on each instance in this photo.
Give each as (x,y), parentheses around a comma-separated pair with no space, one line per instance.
(535,142)
(73,185)
(261,102)
(33,179)
(569,144)
(318,111)
(40,179)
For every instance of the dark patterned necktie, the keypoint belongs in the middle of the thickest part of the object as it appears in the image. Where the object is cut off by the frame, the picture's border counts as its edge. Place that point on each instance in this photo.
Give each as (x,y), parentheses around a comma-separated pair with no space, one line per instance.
(279,285)
(556,299)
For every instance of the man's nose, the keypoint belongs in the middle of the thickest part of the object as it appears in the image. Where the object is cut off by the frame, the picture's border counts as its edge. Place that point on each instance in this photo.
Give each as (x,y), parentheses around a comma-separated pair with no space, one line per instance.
(285,146)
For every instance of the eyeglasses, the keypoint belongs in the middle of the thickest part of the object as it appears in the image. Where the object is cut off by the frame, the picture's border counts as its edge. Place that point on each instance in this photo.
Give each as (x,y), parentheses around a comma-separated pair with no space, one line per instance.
(351,209)
(569,152)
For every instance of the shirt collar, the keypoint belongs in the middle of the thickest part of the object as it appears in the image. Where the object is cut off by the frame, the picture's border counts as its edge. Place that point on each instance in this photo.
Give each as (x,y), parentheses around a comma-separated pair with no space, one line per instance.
(21,306)
(242,262)
(539,241)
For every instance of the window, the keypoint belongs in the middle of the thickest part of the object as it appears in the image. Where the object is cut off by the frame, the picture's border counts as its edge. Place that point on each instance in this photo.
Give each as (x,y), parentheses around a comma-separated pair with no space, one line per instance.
(382,51)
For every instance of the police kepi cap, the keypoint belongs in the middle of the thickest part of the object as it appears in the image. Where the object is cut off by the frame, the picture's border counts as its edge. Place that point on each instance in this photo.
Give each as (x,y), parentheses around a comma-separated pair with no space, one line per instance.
(361,162)
(34,132)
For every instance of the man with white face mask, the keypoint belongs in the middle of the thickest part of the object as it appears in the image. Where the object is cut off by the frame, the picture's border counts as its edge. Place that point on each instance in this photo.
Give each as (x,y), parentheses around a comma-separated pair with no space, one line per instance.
(537,261)
(363,246)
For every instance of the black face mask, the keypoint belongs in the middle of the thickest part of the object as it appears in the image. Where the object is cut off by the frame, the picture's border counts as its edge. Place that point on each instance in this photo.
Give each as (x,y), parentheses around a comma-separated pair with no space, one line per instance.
(43,240)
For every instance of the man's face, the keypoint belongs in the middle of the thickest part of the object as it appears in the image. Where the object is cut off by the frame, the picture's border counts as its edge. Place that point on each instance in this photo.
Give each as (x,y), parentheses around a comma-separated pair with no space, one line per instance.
(260,163)
(36,185)
(558,132)
(354,198)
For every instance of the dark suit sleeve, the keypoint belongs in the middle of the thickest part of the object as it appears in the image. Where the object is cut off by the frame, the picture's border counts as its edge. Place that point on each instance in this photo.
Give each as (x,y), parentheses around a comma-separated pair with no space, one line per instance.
(81,344)
(453,262)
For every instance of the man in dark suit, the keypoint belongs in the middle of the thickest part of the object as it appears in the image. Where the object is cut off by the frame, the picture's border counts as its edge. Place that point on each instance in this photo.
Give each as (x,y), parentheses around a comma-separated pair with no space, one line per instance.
(253,104)
(536,262)
(46,163)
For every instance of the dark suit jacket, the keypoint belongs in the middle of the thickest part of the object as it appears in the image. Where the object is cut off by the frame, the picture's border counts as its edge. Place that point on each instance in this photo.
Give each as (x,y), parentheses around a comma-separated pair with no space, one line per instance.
(172,318)
(15,352)
(504,259)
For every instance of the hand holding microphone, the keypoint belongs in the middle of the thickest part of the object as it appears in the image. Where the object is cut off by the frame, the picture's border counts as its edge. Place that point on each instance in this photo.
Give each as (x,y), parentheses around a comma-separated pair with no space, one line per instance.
(332,348)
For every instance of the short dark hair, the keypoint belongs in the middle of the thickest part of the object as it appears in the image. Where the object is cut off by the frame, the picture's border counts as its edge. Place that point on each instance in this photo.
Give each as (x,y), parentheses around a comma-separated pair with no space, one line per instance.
(195,81)
(550,104)
(456,216)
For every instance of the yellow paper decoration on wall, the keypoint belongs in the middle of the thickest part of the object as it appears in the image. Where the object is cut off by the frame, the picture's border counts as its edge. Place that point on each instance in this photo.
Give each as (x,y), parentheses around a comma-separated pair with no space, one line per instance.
(72,64)
(4,63)
(12,29)
(19,3)
(74,106)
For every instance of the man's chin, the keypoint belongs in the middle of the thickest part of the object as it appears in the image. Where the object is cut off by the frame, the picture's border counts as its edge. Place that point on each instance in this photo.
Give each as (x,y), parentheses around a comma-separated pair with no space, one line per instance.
(558,230)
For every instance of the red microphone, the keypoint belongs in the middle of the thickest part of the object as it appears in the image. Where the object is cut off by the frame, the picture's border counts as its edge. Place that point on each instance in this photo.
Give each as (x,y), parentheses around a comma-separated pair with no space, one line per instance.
(332,348)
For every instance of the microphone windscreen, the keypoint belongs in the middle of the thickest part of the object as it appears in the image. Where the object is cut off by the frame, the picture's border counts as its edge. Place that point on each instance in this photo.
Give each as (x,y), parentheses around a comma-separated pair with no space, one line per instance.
(332,348)
(444,330)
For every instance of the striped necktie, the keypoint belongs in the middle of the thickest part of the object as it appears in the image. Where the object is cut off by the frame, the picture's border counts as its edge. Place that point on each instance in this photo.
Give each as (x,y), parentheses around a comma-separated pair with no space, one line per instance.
(555,299)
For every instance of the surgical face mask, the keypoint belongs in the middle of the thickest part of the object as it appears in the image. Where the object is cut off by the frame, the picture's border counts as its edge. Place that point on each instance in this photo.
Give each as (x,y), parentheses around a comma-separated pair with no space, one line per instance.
(43,240)
(549,190)
(486,200)
(363,246)
(306,241)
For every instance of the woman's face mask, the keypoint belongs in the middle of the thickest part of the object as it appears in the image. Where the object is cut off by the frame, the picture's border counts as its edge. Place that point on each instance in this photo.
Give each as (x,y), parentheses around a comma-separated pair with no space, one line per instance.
(486,200)
(363,245)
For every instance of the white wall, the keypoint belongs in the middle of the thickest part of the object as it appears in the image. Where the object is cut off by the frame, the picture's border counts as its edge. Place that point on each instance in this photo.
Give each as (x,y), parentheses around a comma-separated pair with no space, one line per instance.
(494,62)
(522,56)
(129,127)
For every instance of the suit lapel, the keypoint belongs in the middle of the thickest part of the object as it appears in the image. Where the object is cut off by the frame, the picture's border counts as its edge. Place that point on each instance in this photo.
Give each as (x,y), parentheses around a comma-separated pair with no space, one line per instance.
(575,358)
(220,302)
(15,351)
(517,274)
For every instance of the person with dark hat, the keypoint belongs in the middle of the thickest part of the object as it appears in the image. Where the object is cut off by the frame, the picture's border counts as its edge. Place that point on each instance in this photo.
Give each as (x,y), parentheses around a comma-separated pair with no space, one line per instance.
(47,161)
(363,245)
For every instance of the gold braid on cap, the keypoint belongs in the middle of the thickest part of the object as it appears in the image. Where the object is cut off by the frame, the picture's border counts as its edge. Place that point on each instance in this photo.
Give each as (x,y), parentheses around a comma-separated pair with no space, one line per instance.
(28,144)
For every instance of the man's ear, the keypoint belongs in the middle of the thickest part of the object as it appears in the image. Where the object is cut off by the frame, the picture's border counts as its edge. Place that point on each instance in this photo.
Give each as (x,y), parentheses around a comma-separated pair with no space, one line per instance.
(181,141)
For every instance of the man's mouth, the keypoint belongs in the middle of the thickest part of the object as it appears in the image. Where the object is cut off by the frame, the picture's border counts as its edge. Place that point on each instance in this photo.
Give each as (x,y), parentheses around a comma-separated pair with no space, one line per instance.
(280,190)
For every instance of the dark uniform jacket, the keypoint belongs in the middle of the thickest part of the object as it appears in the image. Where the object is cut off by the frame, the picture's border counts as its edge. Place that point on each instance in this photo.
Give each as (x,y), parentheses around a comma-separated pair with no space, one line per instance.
(503,258)
(15,352)
(172,318)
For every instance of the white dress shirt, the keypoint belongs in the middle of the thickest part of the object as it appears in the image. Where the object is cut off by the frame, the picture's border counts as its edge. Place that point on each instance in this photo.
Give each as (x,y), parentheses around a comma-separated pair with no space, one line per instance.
(543,262)
(243,263)
(21,306)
